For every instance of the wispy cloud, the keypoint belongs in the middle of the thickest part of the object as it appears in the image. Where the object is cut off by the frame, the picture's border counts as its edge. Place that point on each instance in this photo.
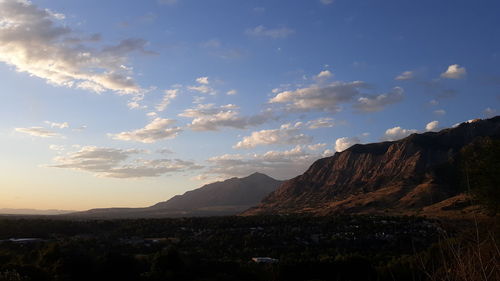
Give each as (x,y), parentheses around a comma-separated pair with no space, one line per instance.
(322,98)
(38,132)
(407,75)
(119,163)
(278,164)
(275,33)
(209,117)
(375,103)
(158,129)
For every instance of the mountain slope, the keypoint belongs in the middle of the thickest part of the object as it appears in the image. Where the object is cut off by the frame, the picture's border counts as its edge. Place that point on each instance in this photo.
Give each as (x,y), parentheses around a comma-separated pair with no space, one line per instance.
(404,176)
(236,193)
(227,197)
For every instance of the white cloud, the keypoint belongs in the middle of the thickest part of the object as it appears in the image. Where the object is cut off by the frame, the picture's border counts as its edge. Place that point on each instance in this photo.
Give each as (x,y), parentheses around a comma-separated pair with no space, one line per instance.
(378,102)
(204,89)
(117,163)
(324,98)
(454,71)
(62,125)
(321,123)
(397,133)
(32,40)
(433,102)
(167,98)
(407,75)
(209,117)
(262,31)
(37,132)
(278,164)
(317,146)
(285,135)
(231,92)
(432,126)
(202,80)
(344,143)
(158,129)
(324,74)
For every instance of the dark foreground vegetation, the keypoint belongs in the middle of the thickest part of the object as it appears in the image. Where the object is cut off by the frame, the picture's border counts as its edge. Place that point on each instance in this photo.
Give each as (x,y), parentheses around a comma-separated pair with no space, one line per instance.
(222,248)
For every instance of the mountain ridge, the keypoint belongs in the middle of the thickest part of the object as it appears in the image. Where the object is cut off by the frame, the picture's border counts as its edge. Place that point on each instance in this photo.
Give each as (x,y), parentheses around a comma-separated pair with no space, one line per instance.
(228,197)
(401,177)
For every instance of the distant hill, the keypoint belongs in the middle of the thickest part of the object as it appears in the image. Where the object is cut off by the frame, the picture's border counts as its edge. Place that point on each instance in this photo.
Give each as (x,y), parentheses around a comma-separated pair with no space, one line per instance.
(228,197)
(414,175)
(6,211)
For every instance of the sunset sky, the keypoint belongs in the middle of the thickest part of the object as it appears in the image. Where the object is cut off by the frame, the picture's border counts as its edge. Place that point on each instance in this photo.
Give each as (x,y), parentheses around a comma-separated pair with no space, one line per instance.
(129,102)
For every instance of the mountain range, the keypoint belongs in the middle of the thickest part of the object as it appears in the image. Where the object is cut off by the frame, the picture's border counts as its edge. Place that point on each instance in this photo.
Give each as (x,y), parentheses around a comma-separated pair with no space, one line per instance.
(228,197)
(413,175)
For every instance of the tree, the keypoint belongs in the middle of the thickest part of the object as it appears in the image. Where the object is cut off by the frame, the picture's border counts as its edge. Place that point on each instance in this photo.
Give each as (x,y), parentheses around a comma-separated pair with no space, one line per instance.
(480,169)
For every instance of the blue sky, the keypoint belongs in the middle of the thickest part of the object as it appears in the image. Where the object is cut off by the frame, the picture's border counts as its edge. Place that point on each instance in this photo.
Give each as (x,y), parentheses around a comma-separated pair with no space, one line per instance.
(127,103)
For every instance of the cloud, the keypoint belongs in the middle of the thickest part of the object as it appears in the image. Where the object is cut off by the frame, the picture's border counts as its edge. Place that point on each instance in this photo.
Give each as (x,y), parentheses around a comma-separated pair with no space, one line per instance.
(378,102)
(117,163)
(209,117)
(262,31)
(432,126)
(317,146)
(231,92)
(57,125)
(320,123)
(324,74)
(169,96)
(37,132)
(440,112)
(278,164)
(202,80)
(326,2)
(407,75)
(344,143)
(397,133)
(33,41)
(454,71)
(158,129)
(285,135)
(323,98)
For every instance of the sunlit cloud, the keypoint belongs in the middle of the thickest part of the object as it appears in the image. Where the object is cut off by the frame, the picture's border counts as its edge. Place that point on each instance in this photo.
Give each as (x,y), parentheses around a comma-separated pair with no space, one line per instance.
(35,41)
(209,117)
(407,75)
(156,130)
(119,163)
(38,132)
(344,143)
(287,134)
(454,71)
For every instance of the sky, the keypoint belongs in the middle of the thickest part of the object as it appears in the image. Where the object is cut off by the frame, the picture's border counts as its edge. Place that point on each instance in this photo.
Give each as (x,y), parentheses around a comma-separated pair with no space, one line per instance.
(128,103)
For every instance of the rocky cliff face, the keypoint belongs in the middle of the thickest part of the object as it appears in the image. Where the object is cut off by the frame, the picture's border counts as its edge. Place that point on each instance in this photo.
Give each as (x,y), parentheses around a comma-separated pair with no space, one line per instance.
(398,177)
